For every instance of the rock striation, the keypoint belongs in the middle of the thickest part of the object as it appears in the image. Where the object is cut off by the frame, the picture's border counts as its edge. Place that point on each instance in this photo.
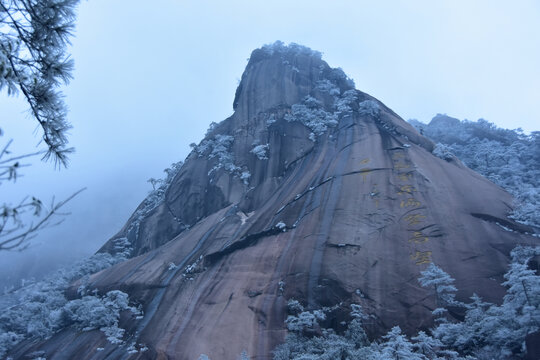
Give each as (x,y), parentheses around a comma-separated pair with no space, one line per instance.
(312,190)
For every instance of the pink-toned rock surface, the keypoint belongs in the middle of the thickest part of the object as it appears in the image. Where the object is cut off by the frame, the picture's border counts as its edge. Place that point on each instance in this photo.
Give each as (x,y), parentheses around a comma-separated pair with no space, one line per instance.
(366,207)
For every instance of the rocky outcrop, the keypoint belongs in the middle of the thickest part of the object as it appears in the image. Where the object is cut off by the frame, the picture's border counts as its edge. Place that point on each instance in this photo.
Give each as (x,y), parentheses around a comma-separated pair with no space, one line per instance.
(311,190)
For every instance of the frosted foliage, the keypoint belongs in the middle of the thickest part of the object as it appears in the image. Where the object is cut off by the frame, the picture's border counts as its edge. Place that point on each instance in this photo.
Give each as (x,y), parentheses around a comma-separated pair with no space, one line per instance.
(306,320)
(343,103)
(429,346)
(271,119)
(122,248)
(8,340)
(6,72)
(40,309)
(523,284)
(294,306)
(442,151)
(261,151)
(369,107)
(509,158)
(221,151)
(527,209)
(95,312)
(337,74)
(211,128)
(397,346)
(34,62)
(308,341)
(487,331)
(434,277)
(152,201)
(312,115)
(292,49)
(328,86)
(491,331)
(219,147)
(245,176)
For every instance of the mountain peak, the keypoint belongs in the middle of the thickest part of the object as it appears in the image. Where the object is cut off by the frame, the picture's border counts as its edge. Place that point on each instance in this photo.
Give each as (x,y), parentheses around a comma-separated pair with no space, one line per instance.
(279,74)
(285,52)
(311,191)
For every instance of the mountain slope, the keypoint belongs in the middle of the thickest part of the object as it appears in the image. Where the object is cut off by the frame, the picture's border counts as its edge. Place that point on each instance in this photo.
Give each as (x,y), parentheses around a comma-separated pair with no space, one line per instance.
(311,190)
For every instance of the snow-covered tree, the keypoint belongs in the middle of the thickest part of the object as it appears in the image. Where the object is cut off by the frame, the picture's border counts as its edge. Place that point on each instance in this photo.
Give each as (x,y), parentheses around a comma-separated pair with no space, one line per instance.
(499,331)
(369,107)
(487,331)
(307,339)
(40,309)
(260,151)
(509,158)
(435,277)
(442,151)
(355,331)
(306,321)
(398,347)
(312,114)
(33,62)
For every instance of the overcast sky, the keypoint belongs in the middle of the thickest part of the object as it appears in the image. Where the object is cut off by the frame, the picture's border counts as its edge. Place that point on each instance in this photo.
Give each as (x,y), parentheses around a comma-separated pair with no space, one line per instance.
(151,76)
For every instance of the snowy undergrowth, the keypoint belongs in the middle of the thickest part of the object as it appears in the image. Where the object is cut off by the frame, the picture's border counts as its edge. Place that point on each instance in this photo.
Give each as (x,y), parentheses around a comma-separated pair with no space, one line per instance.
(509,158)
(98,312)
(328,86)
(154,198)
(312,114)
(39,310)
(343,104)
(260,151)
(369,107)
(443,152)
(488,331)
(219,147)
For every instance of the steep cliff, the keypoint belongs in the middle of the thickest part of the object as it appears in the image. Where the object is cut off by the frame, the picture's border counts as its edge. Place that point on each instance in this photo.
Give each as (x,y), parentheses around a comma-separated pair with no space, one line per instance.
(311,190)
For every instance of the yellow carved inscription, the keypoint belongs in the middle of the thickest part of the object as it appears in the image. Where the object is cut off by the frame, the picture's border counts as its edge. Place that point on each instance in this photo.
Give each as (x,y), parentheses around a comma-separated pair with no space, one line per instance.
(410,202)
(405,176)
(401,166)
(414,219)
(421,257)
(406,189)
(418,237)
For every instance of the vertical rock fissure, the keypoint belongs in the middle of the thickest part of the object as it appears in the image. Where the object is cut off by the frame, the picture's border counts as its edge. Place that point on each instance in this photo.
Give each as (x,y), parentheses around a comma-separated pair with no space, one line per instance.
(154,304)
(269,301)
(331,200)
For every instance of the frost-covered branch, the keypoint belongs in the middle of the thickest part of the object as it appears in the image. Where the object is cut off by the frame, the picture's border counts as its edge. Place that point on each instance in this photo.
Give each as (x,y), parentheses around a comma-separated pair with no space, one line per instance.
(33,39)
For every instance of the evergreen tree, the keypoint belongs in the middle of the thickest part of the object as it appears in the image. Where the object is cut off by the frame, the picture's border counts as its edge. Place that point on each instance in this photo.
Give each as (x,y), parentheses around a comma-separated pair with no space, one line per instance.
(34,35)
(434,277)
(33,39)
(398,347)
(509,158)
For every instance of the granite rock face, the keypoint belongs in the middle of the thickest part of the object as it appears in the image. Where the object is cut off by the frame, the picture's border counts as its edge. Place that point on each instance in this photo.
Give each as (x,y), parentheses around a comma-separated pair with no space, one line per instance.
(311,190)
